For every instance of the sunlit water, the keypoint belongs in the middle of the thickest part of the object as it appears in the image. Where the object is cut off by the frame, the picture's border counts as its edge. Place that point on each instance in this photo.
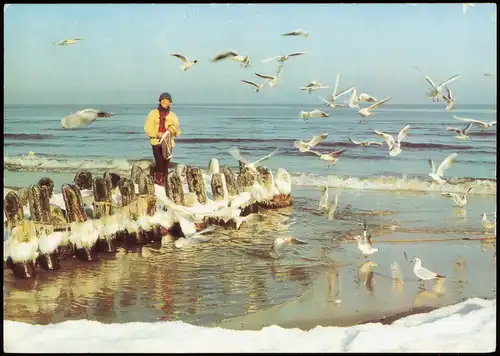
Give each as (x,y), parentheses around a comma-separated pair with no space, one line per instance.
(234,275)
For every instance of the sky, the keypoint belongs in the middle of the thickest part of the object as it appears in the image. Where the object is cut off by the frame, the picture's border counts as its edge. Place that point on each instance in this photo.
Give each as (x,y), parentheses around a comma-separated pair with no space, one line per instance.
(124,57)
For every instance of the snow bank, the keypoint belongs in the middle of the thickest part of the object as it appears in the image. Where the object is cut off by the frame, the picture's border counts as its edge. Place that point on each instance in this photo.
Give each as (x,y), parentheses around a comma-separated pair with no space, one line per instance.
(469,326)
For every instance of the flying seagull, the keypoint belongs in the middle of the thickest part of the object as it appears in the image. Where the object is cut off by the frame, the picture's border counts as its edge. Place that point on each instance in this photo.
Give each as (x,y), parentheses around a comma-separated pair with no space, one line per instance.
(296,33)
(83,118)
(186,62)
(68,41)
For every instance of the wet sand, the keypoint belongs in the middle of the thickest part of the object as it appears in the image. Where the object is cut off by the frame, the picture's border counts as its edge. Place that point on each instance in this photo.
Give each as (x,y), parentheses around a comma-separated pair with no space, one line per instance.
(377,297)
(232,282)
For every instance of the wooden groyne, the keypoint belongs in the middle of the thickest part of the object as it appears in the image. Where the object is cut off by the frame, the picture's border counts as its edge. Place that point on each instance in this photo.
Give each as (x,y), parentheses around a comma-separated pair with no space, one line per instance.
(101,213)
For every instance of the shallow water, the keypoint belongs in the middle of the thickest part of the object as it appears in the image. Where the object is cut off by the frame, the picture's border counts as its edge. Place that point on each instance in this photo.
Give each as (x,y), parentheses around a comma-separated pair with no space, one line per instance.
(233,275)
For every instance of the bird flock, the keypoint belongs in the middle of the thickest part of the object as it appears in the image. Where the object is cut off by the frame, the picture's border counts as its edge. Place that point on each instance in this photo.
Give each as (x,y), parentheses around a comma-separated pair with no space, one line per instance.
(436,93)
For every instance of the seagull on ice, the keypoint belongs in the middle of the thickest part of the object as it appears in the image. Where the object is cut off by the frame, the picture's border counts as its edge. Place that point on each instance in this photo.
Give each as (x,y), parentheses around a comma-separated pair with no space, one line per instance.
(327,207)
(329,157)
(481,124)
(366,112)
(486,224)
(435,92)
(272,80)
(365,144)
(68,41)
(457,199)
(297,33)
(365,243)
(186,62)
(306,146)
(83,118)
(244,60)
(394,146)
(423,273)
(447,163)
(282,59)
(465,7)
(235,152)
(305,115)
(332,104)
(258,87)
(461,133)
(337,94)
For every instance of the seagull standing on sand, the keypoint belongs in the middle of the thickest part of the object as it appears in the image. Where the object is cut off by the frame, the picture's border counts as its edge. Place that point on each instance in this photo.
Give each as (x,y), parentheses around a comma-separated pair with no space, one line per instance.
(235,152)
(297,33)
(327,207)
(365,144)
(331,158)
(306,146)
(282,59)
(186,62)
(461,133)
(83,118)
(435,92)
(304,115)
(68,42)
(394,146)
(366,112)
(423,273)
(244,60)
(481,124)
(457,199)
(365,243)
(258,87)
(447,163)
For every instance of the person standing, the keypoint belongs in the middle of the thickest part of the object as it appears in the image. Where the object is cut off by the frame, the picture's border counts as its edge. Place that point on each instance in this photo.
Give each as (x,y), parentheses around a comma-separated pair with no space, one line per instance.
(162,123)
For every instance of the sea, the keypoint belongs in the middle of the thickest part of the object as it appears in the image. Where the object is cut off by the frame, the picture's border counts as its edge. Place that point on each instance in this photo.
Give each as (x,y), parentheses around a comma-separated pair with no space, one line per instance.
(232,280)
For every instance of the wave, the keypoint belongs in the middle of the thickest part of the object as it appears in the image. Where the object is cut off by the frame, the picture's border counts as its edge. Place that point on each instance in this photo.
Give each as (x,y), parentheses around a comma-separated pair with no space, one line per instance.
(28,137)
(45,164)
(383,183)
(391,183)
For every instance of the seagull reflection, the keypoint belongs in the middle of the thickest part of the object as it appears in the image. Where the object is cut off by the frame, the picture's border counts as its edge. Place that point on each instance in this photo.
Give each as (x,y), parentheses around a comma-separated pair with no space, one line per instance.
(459,276)
(424,296)
(397,277)
(460,212)
(332,276)
(365,274)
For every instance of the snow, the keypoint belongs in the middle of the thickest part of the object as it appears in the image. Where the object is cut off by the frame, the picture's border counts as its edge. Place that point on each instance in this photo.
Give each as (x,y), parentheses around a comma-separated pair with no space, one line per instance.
(469,326)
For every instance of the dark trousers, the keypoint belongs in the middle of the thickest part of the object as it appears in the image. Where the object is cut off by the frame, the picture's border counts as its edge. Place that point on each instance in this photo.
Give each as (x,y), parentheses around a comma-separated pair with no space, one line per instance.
(160,161)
